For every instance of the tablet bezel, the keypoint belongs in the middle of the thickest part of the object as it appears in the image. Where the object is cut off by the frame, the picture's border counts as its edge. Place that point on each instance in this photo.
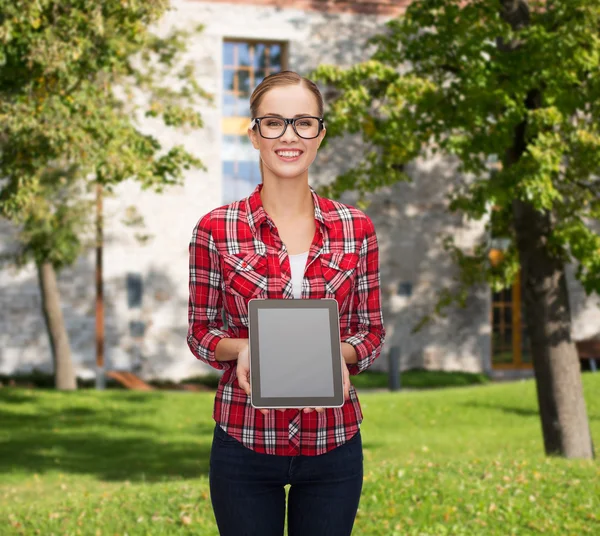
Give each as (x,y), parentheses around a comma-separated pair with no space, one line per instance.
(256,398)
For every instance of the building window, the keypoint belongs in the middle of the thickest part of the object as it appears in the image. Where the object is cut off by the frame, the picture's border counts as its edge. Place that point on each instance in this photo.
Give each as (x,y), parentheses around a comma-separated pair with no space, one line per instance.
(245,64)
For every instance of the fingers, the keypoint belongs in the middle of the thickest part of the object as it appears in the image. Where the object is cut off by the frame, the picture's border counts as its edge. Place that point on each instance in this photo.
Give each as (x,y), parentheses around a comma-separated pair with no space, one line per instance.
(310,410)
(305,410)
(266,411)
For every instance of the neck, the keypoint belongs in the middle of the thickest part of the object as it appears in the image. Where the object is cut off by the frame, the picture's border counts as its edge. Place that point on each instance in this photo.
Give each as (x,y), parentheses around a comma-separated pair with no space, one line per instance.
(287,198)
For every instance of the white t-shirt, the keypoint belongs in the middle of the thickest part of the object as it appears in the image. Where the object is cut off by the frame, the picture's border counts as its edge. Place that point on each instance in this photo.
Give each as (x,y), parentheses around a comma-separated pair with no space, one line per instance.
(297,265)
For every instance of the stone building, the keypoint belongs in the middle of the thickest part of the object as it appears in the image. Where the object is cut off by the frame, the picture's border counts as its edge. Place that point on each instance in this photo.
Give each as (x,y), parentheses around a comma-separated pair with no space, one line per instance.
(146,284)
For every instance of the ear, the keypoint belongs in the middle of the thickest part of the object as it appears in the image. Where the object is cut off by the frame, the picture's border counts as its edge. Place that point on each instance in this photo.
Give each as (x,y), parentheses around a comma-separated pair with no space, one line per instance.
(321,136)
(253,138)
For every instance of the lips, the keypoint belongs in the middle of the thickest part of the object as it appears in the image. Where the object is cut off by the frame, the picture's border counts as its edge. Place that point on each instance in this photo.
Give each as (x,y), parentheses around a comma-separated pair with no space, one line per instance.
(289,155)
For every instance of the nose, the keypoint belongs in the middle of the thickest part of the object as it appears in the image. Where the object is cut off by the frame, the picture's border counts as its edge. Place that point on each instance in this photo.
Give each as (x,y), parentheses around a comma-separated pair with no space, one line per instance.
(289,134)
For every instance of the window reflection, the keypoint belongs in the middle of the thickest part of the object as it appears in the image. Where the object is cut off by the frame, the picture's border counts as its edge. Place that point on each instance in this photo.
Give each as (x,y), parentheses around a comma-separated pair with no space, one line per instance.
(228,76)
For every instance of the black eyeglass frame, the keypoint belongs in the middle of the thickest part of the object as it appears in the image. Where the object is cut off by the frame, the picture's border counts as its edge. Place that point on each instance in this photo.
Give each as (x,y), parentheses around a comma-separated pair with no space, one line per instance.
(256,121)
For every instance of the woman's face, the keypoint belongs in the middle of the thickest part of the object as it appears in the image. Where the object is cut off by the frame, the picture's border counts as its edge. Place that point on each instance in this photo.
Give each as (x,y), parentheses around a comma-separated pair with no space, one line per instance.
(290,155)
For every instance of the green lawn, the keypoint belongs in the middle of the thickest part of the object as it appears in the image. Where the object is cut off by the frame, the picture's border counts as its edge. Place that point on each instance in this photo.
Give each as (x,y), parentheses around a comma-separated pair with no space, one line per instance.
(418,379)
(451,461)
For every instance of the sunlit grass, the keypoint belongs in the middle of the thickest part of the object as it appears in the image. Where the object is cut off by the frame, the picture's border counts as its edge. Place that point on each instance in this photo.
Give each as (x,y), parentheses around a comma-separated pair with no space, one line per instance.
(453,461)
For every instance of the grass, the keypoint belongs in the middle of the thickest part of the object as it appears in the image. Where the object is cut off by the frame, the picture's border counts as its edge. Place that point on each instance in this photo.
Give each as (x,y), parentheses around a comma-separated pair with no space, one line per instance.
(454,461)
(419,379)
(412,379)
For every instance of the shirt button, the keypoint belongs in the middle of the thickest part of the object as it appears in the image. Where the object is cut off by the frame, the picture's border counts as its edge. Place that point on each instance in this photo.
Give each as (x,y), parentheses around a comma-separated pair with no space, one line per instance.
(244,264)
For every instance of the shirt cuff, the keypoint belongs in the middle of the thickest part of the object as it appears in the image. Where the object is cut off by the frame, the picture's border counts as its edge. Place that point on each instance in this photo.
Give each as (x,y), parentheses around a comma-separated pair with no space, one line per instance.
(362,352)
(204,348)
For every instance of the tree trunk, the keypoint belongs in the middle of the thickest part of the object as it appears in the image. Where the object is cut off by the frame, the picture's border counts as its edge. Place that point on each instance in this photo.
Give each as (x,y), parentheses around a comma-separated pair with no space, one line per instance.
(563,413)
(64,373)
(556,364)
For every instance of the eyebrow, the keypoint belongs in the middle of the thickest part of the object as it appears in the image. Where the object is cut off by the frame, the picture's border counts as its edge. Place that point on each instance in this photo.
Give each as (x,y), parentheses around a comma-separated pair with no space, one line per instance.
(297,115)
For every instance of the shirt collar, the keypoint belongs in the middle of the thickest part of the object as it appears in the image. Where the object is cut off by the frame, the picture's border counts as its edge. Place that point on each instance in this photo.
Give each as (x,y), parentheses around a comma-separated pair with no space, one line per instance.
(257,215)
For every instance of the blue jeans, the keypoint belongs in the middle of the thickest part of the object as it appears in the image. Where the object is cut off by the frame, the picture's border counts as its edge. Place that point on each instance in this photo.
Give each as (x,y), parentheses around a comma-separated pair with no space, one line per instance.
(248,495)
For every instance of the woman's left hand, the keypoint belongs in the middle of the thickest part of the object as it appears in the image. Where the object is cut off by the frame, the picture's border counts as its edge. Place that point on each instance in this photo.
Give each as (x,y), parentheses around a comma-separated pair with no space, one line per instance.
(346,385)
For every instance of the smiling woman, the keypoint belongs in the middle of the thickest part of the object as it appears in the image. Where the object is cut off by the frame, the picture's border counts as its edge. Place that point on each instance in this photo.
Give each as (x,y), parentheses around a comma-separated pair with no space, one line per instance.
(284,241)
(293,97)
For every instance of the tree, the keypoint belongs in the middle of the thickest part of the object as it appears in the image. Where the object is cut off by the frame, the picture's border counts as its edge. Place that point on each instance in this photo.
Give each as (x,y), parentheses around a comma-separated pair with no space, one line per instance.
(502,80)
(75,78)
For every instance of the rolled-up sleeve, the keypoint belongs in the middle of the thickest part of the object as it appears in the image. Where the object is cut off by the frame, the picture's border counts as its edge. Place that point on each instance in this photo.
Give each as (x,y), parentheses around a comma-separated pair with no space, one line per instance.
(365,326)
(205,301)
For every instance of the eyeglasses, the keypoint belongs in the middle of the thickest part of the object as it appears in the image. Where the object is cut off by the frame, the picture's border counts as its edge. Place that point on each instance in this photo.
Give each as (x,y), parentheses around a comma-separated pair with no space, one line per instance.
(272,127)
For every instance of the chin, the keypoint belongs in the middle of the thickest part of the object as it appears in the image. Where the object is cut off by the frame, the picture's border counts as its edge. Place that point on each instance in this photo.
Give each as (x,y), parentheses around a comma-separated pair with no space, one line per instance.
(289,173)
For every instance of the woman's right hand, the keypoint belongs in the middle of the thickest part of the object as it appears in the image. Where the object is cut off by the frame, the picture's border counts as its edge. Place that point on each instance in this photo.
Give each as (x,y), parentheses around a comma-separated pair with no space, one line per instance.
(243,369)
(243,373)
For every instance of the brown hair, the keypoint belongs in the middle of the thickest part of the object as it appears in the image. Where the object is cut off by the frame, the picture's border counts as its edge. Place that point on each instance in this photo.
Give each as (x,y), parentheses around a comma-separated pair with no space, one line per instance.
(280,79)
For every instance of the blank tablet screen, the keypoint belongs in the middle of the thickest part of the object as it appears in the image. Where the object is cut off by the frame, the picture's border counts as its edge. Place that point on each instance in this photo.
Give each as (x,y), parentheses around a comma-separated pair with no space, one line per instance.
(295,362)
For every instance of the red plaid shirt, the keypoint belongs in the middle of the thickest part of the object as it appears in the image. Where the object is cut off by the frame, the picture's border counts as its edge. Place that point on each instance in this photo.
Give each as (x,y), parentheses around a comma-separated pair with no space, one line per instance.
(235,255)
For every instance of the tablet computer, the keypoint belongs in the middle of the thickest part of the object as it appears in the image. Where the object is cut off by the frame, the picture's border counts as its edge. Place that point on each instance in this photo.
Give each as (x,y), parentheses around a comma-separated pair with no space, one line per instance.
(295,353)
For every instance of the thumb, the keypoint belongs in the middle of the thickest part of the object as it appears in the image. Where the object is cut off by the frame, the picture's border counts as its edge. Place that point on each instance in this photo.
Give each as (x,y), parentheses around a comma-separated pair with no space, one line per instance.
(242,377)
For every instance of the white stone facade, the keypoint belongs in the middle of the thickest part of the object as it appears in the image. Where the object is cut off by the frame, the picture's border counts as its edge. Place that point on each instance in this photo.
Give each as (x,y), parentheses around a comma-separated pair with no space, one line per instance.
(410,220)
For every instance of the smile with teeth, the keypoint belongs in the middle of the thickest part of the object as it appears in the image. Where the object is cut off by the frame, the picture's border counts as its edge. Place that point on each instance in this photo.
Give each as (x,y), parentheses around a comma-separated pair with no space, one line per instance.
(289,154)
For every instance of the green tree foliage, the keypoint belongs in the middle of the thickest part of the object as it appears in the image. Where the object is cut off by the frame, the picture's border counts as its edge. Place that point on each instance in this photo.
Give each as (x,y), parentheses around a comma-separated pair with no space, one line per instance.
(510,89)
(77,78)
(441,80)
(75,75)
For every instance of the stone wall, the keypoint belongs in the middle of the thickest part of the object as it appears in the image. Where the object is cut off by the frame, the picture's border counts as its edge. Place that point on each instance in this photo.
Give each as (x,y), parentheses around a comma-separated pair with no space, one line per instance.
(412,220)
